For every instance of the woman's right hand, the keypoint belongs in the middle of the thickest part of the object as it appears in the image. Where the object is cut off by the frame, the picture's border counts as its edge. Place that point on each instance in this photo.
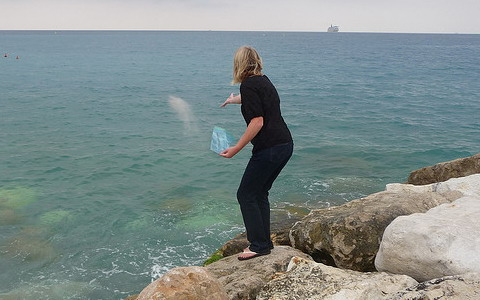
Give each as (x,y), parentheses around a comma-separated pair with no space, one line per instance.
(232,100)
(229,152)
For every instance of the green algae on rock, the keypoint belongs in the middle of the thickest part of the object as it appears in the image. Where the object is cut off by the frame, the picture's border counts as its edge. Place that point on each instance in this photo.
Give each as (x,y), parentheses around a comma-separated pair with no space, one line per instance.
(16,197)
(55,216)
(218,255)
(139,224)
(202,221)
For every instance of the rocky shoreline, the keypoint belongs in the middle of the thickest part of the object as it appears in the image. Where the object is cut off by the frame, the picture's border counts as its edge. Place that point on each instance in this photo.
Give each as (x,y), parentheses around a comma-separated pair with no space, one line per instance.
(417,240)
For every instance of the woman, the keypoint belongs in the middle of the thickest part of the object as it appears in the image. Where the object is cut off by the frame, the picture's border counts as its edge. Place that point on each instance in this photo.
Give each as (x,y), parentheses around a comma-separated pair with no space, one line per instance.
(272,147)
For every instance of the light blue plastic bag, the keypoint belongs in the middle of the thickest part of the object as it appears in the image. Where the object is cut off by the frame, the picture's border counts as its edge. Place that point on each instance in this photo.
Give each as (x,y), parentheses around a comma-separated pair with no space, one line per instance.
(221,140)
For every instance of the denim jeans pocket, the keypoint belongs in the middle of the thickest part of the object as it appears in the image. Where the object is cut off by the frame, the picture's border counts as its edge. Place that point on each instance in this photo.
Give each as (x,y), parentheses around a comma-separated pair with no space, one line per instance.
(278,153)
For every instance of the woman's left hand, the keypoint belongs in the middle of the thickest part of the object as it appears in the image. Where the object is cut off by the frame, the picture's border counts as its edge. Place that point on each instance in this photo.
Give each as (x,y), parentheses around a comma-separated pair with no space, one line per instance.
(232,99)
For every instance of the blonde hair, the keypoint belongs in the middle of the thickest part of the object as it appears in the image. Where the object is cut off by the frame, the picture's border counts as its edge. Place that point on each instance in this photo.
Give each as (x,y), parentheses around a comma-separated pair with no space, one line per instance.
(246,63)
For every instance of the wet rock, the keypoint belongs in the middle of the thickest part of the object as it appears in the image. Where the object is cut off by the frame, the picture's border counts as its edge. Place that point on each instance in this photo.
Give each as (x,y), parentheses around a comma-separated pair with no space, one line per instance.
(306,279)
(348,236)
(184,283)
(244,279)
(443,171)
(29,245)
(197,222)
(235,245)
(176,205)
(9,217)
(55,217)
(142,223)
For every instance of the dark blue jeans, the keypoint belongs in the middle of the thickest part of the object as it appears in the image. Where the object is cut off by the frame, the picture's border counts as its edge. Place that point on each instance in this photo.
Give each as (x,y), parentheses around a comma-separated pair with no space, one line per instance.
(260,173)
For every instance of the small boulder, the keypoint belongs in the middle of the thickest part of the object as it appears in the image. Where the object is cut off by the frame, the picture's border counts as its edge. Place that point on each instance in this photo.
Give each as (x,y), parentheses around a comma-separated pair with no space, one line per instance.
(306,279)
(184,283)
(244,279)
(444,241)
(235,245)
(348,236)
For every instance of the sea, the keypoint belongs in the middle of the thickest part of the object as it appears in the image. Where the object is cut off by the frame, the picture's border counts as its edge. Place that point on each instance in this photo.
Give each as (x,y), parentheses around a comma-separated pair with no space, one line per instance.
(107,179)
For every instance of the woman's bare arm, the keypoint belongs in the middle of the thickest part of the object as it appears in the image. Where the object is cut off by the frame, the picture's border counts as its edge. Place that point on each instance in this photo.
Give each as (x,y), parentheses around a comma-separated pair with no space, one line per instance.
(232,100)
(252,130)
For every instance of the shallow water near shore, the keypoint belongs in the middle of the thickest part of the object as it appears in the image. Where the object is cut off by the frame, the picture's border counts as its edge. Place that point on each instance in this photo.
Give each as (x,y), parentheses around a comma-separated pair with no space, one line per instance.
(106,183)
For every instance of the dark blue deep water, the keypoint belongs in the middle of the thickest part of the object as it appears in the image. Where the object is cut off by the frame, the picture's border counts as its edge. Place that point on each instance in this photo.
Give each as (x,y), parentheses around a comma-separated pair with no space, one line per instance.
(104,186)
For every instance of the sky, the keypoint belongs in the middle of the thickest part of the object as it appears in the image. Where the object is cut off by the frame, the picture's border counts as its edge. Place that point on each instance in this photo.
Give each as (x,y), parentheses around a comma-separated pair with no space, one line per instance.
(420,16)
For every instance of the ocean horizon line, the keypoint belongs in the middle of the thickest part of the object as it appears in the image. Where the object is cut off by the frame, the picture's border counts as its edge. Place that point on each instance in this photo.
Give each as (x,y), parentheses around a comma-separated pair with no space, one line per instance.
(220,30)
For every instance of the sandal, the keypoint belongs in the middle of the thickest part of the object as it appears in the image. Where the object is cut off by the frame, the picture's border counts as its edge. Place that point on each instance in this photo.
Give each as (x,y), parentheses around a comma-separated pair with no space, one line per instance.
(251,255)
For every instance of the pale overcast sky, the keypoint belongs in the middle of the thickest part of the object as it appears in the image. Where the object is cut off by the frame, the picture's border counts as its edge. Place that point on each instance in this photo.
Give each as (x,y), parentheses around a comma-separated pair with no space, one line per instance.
(436,16)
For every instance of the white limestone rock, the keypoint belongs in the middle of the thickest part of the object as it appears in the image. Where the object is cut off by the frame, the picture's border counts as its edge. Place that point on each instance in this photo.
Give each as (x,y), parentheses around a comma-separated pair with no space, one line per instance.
(443,241)
(459,287)
(468,186)
(348,236)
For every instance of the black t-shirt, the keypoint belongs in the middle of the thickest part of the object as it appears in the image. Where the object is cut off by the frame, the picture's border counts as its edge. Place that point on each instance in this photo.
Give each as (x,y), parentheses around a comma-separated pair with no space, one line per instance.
(260,99)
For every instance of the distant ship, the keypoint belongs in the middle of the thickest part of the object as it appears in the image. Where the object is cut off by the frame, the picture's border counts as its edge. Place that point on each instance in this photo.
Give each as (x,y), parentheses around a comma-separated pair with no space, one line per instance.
(332,28)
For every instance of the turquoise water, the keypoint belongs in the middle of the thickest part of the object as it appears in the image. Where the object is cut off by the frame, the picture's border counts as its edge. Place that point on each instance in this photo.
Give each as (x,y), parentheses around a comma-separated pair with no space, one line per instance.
(106,177)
